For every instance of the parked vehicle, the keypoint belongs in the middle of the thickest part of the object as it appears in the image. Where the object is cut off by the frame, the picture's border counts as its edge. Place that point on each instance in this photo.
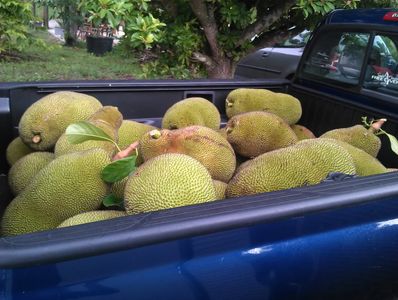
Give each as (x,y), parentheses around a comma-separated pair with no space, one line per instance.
(334,240)
(279,61)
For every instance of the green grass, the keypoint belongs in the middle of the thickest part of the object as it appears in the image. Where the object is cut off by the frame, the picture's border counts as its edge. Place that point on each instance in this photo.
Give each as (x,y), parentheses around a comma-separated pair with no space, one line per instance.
(56,62)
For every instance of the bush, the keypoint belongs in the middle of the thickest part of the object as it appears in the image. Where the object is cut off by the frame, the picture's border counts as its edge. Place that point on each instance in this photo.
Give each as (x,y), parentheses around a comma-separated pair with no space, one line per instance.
(15,18)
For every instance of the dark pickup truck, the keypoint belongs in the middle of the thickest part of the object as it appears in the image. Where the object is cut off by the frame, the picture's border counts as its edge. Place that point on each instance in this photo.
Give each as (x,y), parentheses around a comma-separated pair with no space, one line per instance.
(334,240)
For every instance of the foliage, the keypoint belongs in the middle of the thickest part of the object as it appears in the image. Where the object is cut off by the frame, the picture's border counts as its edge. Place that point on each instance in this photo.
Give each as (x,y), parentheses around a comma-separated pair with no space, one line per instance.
(104,12)
(71,18)
(213,34)
(15,17)
(310,8)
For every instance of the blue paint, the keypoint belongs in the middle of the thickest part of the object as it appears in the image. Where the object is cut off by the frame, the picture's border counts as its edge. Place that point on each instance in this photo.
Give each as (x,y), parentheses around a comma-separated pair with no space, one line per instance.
(297,258)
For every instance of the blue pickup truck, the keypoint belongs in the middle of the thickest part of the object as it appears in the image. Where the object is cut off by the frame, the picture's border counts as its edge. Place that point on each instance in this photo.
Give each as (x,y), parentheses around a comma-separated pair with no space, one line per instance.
(334,240)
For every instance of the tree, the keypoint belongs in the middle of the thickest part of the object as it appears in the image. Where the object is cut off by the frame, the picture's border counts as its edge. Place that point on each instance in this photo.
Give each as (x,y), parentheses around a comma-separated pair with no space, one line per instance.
(15,17)
(68,12)
(215,34)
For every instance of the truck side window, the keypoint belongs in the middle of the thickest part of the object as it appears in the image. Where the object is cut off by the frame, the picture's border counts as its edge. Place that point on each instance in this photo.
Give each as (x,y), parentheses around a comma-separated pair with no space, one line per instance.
(337,56)
(382,65)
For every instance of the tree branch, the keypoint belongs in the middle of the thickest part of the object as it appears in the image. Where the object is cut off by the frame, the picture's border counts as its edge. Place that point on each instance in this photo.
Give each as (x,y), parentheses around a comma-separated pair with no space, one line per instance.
(265,21)
(205,15)
(204,59)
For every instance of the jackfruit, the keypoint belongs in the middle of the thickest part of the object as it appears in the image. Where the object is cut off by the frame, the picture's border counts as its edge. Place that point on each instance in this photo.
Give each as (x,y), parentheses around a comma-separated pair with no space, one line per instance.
(246,99)
(117,188)
(167,181)
(220,188)
(68,185)
(132,131)
(25,169)
(257,132)
(306,163)
(192,111)
(302,132)
(223,132)
(45,121)
(202,143)
(365,164)
(16,149)
(92,216)
(358,136)
(107,118)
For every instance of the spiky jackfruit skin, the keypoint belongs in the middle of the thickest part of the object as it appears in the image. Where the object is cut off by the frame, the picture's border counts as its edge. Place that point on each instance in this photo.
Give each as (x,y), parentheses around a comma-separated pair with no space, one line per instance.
(68,185)
(192,111)
(302,132)
(132,131)
(254,133)
(25,169)
(107,118)
(306,163)
(92,216)
(358,136)
(167,181)
(220,188)
(63,146)
(45,121)
(202,143)
(223,132)
(365,164)
(117,188)
(16,149)
(246,99)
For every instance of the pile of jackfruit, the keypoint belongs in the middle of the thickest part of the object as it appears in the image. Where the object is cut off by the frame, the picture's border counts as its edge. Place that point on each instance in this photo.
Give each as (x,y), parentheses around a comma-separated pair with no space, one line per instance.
(193,158)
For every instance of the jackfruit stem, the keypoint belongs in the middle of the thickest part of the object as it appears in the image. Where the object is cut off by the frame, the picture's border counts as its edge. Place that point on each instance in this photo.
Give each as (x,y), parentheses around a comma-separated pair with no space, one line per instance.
(376,126)
(132,148)
(36,139)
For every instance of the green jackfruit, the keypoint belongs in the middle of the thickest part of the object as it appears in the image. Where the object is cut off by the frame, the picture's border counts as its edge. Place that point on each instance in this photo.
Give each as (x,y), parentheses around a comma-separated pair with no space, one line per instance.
(257,132)
(358,136)
(167,181)
(45,121)
(306,163)
(132,131)
(68,185)
(365,164)
(25,169)
(220,188)
(302,132)
(192,111)
(16,149)
(92,216)
(107,118)
(202,143)
(223,132)
(117,188)
(245,100)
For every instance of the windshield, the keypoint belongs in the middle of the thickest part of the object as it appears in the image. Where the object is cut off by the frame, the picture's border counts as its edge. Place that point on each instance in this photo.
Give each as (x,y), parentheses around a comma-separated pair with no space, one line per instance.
(295,41)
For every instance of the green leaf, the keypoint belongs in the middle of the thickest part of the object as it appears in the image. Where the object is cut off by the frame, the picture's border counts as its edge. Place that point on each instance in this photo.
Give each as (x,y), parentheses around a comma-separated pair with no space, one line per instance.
(112,200)
(119,169)
(84,131)
(393,142)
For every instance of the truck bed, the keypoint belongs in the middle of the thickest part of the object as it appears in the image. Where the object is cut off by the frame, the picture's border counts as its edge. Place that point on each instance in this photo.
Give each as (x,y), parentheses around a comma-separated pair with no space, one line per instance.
(334,240)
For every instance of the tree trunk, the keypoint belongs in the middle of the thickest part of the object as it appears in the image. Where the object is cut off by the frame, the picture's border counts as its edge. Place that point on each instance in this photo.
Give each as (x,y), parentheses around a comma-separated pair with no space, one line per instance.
(221,69)
(45,16)
(34,9)
(70,26)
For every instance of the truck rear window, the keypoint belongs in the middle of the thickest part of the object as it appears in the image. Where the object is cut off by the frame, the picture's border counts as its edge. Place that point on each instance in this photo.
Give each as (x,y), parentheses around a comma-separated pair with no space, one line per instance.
(382,66)
(338,56)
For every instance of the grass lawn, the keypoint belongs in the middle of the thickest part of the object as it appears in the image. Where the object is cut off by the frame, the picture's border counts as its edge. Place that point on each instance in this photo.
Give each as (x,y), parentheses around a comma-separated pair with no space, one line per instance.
(66,63)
